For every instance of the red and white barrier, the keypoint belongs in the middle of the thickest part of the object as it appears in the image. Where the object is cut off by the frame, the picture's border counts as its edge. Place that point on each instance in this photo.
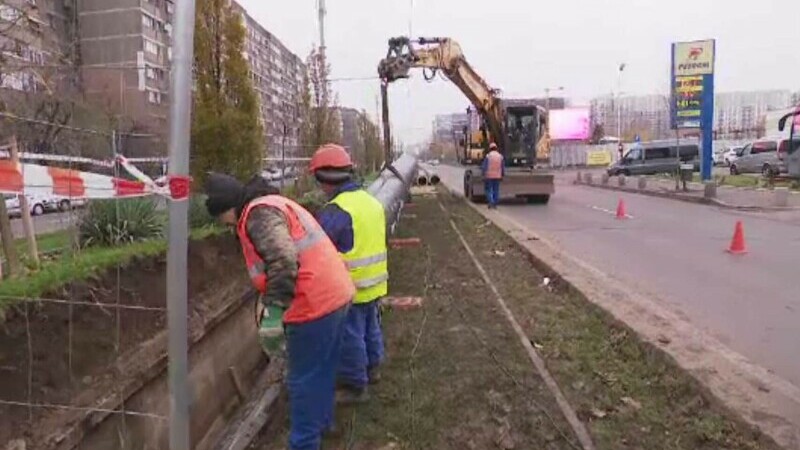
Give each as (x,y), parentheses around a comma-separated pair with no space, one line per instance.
(33,179)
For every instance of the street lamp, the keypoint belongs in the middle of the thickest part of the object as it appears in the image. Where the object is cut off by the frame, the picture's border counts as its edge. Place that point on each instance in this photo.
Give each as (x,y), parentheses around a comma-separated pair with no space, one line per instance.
(547,95)
(619,103)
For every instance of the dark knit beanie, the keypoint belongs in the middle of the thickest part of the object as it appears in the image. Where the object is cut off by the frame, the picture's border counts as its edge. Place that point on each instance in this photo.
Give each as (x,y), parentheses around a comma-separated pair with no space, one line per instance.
(224,192)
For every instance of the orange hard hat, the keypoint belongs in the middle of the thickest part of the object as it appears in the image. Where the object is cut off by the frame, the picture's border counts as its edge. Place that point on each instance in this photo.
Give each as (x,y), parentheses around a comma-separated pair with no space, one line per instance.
(330,156)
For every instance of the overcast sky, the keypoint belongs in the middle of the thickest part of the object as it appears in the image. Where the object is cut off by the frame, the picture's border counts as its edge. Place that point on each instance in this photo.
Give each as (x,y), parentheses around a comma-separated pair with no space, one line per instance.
(525,46)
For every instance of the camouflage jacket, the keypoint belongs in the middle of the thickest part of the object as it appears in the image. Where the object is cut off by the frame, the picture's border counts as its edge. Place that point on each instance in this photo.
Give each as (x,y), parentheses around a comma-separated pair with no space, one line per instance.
(269,233)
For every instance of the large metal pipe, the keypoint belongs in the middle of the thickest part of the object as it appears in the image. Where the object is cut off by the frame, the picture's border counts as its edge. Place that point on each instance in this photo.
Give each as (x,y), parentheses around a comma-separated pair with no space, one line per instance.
(392,190)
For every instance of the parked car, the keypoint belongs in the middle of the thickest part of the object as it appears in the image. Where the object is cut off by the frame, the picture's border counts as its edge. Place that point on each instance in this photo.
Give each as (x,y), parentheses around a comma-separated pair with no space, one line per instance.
(730,155)
(765,156)
(63,204)
(36,204)
(650,158)
(271,174)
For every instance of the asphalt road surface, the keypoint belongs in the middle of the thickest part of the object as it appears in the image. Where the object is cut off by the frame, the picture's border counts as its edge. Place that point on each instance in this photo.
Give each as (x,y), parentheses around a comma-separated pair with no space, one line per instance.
(47,223)
(674,251)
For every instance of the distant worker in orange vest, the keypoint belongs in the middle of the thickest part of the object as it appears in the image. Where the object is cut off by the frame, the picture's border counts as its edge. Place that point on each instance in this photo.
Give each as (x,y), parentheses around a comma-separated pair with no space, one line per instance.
(306,289)
(494,170)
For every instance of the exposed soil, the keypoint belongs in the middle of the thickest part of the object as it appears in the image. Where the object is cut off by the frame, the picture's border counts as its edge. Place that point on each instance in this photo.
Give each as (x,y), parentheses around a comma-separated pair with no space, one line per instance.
(457,376)
(73,348)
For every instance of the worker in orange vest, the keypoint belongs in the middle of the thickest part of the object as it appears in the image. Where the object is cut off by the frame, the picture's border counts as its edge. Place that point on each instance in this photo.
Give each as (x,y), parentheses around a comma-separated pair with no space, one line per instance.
(494,170)
(302,279)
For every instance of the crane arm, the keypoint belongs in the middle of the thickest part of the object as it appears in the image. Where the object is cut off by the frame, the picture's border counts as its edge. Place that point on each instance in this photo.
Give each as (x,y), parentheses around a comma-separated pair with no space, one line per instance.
(445,55)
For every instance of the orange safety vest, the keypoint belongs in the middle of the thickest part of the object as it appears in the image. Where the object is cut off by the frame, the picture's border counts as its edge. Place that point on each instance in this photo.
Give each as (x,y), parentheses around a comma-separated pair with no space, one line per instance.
(323,281)
(494,166)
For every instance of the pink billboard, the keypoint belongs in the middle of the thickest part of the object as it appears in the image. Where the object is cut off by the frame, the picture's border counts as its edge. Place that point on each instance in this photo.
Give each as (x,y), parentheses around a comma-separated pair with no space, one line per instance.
(570,124)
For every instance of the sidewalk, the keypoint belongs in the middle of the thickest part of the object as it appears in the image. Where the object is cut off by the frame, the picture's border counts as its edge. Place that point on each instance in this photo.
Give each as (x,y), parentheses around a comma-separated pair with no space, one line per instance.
(458,376)
(727,196)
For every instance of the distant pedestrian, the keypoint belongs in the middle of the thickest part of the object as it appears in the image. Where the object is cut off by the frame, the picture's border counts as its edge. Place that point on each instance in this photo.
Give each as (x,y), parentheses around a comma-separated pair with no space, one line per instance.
(493,168)
(356,223)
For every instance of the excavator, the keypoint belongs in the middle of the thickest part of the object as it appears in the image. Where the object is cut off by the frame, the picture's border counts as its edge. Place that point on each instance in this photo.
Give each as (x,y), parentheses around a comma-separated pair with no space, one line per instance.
(517,126)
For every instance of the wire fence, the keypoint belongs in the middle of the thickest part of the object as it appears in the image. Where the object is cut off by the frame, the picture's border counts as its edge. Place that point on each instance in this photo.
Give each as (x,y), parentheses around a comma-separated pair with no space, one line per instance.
(71,321)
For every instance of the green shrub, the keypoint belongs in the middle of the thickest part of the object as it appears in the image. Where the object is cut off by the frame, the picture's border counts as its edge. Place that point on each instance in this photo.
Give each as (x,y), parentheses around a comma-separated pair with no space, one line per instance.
(198,214)
(117,222)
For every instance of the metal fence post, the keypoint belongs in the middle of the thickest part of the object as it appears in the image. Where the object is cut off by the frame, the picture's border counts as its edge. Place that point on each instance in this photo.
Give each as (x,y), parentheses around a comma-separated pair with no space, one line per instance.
(177,286)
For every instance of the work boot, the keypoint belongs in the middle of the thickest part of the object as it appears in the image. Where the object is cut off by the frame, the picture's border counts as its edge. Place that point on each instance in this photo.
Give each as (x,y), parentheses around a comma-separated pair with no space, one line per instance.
(352,395)
(374,375)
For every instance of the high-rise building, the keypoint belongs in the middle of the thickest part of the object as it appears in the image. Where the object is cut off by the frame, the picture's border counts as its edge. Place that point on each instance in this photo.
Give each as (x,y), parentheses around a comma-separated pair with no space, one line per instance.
(737,115)
(740,115)
(446,126)
(645,115)
(278,78)
(351,135)
(122,50)
(125,54)
(35,40)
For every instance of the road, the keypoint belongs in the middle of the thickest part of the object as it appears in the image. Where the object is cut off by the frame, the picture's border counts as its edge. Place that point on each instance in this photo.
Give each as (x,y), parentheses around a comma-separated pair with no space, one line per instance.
(46,223)
(674,251)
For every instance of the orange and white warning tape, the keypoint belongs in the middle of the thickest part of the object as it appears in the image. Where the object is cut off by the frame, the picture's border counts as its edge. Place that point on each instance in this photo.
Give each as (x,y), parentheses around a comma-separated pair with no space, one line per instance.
(34,179)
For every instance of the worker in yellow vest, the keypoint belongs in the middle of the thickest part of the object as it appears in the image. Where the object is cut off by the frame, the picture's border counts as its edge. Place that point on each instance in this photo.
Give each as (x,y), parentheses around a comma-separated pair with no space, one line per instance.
(493,168)
(356,223)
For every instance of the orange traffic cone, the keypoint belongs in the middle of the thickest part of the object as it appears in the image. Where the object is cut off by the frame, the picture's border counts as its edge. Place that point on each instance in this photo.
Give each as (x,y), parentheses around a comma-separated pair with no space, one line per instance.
(737,243)
(621,214)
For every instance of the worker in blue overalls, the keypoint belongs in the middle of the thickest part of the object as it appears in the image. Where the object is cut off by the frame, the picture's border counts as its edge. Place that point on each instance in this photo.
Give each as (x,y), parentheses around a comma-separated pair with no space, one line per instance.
(356,223)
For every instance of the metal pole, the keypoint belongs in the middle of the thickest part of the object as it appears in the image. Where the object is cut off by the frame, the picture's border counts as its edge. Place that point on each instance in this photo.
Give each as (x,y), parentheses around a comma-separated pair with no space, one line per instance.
(177,290)
(619,101)
(387,135)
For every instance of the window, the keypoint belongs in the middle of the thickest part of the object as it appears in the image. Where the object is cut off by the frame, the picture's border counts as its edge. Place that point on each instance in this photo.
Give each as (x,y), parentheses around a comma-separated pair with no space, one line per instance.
(154,73)
(784,146)
(151,47)
(657,153)
(154,97)
(148,22)
(9,13)
(634,154)
(765,147)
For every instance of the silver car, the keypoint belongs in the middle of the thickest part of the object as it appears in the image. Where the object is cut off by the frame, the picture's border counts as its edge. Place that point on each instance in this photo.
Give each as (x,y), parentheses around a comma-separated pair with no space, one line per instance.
(760,157)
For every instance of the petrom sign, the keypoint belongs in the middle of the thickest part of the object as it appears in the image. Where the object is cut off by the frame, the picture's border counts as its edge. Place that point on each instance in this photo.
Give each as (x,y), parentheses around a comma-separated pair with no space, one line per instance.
(693,58)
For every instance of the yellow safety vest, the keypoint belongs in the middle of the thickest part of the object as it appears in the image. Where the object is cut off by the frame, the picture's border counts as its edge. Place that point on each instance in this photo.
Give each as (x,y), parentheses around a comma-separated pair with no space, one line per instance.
(367,259)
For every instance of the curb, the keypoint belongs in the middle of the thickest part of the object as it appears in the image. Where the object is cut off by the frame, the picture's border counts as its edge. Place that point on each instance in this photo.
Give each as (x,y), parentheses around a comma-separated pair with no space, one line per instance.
(692,199)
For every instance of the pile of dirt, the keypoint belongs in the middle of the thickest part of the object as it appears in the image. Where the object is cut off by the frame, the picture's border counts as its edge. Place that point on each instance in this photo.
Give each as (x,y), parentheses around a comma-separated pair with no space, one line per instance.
(61,354)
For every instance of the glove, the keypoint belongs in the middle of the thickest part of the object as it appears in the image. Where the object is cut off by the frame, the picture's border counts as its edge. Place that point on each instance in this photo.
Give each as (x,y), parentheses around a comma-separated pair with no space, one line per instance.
(270,330)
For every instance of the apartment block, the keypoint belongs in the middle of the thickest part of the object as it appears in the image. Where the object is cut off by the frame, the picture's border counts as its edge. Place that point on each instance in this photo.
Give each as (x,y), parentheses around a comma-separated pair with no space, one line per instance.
(278,76)
(645,115)
(35,45)
(125,54)
(741,115)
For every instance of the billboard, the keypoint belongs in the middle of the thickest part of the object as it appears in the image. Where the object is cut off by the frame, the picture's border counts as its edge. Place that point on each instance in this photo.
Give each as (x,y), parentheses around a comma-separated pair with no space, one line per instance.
(693,93)
(571,124)
(693,58)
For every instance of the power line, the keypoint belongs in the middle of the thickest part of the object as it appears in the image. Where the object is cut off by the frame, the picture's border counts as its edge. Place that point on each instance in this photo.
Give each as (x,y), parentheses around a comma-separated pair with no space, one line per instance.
(375,78)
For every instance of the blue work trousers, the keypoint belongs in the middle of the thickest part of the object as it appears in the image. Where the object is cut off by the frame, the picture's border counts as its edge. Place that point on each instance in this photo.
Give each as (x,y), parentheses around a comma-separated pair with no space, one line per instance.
(362,344)
(492,188)
(313,350)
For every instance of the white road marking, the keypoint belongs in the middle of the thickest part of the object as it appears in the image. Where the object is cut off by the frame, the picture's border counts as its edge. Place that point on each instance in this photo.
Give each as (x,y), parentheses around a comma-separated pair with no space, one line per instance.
(608,211)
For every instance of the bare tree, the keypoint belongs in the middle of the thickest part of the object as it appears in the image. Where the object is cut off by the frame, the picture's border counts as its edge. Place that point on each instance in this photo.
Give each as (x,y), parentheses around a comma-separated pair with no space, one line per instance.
(321,123)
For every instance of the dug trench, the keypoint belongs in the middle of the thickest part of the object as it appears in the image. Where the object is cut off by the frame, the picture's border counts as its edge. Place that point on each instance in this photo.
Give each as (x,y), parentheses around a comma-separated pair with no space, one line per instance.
(68,369)
(456,375)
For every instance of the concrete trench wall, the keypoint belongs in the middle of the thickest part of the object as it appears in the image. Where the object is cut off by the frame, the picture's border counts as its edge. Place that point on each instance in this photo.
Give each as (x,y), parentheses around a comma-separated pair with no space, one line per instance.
(232,342)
